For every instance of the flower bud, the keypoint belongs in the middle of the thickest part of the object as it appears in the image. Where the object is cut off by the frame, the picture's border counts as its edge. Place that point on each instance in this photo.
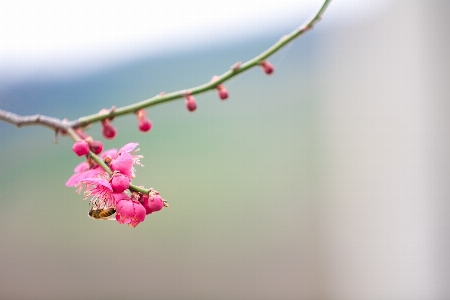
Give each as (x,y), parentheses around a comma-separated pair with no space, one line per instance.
(80,148)
(267,67)
(144,124)
(223,93)
(120,182)
(191,105)
(108,130)
(152,202)
(96,147)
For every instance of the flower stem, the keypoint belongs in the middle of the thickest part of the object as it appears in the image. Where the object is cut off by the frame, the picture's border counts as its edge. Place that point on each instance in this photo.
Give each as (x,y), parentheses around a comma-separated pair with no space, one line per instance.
(129,109)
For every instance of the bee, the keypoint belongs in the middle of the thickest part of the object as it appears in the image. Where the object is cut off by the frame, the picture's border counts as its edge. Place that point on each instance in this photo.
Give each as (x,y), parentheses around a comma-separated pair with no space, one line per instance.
(102,213)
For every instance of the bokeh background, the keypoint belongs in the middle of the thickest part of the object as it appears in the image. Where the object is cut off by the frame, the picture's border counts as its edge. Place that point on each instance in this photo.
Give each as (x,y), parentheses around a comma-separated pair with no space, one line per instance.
(329,179)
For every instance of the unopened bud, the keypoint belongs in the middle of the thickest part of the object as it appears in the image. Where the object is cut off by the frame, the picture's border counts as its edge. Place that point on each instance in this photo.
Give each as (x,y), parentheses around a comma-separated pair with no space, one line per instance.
(144,124)
(108,130)
(120,183)
(267,67)
(80,148)
(223,93)
(191,105)
(96,147)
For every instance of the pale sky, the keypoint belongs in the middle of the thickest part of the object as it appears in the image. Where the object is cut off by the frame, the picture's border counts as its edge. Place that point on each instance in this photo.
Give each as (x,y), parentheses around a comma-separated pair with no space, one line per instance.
(44,38)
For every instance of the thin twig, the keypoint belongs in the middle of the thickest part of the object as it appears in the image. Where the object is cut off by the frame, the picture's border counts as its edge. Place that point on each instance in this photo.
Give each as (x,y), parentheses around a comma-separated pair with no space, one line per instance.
(19,121)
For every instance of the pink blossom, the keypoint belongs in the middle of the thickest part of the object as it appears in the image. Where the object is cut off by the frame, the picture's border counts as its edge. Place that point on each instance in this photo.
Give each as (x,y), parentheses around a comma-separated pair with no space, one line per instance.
(129,211)
(124,159)
(82,171)
(122,163)
(101,192)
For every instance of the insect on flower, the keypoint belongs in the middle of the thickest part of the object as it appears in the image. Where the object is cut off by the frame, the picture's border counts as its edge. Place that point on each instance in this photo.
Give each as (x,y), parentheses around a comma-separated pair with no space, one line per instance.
(102,213)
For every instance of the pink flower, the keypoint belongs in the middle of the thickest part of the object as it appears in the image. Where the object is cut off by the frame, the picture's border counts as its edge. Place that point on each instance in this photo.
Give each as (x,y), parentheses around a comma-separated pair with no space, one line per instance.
(122,163)
(152,203)
(129,211)
(101,192)
(122,160)
(82,171)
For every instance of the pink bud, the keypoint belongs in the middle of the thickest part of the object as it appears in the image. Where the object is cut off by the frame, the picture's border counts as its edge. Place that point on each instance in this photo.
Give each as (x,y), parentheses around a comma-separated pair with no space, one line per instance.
(96,147)
(190,103)
(223,93)
(120,182)
(267,67)
(108,130)
(144,125)
(80,148)
(152,202)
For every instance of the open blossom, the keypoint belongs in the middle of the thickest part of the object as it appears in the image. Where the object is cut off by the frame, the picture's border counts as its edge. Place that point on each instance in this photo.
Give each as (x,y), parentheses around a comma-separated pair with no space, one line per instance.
(82,171)
(100,191)
(121,162)
(124,159)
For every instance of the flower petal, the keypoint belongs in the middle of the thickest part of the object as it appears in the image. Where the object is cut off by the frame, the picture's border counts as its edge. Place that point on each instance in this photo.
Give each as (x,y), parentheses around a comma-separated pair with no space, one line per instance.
(130,212)
(123,163)
(128,147)
(98,181)
(81,167)
(111,153)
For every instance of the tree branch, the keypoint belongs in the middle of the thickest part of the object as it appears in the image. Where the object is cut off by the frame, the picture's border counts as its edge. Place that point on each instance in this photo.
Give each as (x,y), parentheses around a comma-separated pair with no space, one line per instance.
(236,69)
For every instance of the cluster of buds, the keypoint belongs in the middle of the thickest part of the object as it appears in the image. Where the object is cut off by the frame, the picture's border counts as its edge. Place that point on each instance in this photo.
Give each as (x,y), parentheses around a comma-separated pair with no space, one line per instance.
(86,143)
(109,193)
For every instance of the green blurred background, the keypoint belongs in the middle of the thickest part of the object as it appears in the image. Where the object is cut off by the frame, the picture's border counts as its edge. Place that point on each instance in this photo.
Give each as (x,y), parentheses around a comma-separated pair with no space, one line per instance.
(327,180)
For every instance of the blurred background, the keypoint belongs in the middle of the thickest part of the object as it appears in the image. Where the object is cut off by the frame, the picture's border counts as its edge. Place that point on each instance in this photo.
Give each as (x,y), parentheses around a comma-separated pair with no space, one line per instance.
(329,179)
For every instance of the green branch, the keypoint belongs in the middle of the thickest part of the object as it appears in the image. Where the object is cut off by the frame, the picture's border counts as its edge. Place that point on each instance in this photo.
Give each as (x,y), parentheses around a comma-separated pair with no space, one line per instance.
(238,68)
